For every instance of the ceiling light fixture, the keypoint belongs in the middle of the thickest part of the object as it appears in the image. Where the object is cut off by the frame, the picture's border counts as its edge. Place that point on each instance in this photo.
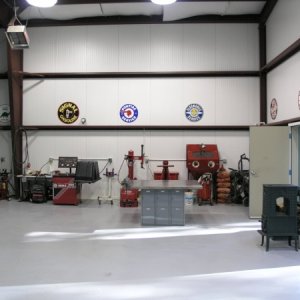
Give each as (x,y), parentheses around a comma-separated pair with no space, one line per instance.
(42,3)
(17,35)
(163,2)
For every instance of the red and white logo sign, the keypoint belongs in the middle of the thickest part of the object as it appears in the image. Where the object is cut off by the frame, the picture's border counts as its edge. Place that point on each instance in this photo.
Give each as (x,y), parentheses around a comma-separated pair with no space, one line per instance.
(273,109)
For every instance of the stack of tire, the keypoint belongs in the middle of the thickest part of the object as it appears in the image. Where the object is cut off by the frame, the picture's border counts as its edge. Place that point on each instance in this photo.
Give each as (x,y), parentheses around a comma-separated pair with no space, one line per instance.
(223,185)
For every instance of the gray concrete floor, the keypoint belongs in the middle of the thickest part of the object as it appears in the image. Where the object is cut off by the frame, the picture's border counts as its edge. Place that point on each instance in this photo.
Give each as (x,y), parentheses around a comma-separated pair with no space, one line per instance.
(102,252)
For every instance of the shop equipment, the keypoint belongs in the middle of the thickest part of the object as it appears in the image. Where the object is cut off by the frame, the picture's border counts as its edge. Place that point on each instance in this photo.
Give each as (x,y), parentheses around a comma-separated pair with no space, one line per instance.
(165,174)
(4,185)
(204,194)
(87,171)
(65,190)
(109,175)
(38,193)
(27,189)
(67,186)
(203,159)
(128,195)
(240,182)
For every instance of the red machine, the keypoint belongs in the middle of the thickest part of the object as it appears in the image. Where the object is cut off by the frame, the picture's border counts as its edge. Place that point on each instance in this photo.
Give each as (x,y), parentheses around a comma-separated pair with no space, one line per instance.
(65,190)
(202,161)
(201,158)
(165,174)
(129,196)
(204,194)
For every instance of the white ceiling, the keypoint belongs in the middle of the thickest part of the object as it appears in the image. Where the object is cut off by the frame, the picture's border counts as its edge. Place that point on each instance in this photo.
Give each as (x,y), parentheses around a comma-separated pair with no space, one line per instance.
(176,11)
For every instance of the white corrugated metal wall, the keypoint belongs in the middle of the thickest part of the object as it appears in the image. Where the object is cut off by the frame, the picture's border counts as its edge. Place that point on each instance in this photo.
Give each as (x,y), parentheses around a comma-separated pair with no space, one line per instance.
(139,48)
(283,29)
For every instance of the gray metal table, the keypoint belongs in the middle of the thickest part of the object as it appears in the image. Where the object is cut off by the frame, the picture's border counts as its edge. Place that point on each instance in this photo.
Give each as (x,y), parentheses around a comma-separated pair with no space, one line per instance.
(162,201)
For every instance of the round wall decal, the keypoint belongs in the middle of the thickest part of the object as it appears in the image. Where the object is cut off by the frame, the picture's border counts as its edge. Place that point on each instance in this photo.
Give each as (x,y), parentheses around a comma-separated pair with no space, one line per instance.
(4,113)
(194,112)
(129,113)
(68,112)
(273,109)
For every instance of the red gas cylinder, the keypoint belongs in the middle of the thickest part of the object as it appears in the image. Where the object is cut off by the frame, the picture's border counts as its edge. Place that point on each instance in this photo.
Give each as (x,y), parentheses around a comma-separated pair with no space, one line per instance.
(204,194)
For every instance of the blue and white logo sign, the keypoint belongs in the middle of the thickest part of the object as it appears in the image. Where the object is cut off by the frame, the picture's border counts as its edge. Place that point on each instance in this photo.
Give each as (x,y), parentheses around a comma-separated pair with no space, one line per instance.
(194,112)
(129,113)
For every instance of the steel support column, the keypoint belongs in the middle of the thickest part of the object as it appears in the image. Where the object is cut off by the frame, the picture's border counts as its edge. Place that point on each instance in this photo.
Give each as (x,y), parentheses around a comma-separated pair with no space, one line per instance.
(263,75)
(15,82)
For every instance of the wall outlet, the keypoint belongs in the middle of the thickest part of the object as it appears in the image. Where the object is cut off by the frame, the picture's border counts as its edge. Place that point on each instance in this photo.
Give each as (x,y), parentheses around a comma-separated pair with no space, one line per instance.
(110,160)
(50,160)
(2,159)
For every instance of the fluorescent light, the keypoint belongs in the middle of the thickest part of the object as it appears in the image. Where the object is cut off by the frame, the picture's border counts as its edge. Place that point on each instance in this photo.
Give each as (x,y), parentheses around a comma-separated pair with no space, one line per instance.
(163,2)
(42,3)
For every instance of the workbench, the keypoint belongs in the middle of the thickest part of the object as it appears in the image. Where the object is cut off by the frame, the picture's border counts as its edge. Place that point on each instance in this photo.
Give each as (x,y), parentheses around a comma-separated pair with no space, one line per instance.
(162,201)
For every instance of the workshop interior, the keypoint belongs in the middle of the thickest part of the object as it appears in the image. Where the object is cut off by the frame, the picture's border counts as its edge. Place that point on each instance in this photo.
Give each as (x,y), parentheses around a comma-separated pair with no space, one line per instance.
(167,116)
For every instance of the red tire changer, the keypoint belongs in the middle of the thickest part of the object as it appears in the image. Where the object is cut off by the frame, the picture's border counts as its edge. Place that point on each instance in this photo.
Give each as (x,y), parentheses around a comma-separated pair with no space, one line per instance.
(128,195)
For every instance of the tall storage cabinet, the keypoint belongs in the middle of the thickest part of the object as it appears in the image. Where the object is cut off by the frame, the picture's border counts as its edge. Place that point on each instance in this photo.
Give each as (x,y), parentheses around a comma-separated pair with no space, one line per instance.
(279,221)
(162,207)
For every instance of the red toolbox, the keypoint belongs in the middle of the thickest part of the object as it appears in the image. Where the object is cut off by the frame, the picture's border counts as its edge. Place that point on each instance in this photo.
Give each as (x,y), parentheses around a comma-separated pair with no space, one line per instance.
(65,190)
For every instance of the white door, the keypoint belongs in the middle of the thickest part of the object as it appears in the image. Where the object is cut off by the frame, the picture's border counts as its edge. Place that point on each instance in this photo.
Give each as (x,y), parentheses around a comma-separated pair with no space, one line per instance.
(269,162)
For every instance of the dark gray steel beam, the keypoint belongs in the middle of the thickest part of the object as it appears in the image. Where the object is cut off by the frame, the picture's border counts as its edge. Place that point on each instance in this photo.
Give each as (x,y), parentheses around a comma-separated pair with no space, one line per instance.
(115,20)
(263,76)
(6,13)
(23,3)
(125,75)
(285,122)
(64,2)
(267,10)
(74,128)
(3,76)
(282,57)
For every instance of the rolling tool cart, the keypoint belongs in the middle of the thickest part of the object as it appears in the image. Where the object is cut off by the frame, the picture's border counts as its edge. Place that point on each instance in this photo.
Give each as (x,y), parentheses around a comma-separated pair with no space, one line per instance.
(109,175)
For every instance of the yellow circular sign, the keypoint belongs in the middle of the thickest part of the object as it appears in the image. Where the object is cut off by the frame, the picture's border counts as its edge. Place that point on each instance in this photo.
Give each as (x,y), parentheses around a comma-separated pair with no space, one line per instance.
(68,112)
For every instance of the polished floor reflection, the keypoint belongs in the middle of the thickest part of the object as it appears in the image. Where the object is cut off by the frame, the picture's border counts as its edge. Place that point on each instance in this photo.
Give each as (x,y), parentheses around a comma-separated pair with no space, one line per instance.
(102,252)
